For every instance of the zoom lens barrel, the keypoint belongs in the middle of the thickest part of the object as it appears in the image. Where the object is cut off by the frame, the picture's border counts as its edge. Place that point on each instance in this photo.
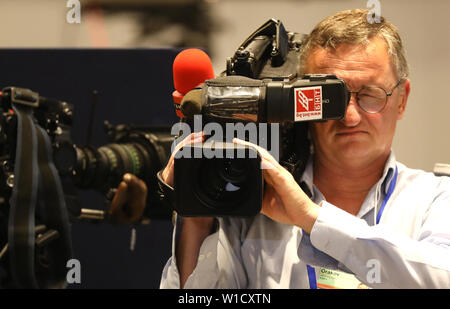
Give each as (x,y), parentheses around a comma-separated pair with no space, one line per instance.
(141,153)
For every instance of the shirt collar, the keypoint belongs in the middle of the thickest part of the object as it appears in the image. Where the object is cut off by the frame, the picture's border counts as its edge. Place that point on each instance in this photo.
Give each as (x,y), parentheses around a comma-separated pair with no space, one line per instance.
(307,177)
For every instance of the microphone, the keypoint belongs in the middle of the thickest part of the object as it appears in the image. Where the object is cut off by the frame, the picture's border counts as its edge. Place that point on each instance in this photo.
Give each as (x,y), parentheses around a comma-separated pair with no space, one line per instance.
(191,68)
(191,104)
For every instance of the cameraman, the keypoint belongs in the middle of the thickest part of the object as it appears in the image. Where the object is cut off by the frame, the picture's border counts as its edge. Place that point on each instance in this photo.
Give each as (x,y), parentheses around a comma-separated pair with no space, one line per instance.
(370,220)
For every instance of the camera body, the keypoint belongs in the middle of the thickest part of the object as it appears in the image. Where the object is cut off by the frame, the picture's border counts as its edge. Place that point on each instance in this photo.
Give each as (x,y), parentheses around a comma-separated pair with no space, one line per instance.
(54,116)
(260,85)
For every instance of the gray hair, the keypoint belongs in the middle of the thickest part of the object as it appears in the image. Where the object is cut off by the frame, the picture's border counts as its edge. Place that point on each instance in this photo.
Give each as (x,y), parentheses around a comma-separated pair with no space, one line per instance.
(352,27)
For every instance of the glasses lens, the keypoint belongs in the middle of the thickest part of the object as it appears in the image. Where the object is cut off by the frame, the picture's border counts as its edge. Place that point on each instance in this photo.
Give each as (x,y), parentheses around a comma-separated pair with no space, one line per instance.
(372,99)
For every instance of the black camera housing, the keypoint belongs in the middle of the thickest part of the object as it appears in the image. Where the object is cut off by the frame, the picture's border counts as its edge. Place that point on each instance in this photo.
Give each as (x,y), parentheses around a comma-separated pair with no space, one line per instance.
(36,212)
(231,185)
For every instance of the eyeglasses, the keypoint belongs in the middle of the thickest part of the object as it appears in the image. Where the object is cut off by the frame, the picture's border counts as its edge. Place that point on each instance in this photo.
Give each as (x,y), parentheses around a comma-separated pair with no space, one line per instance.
(373,99)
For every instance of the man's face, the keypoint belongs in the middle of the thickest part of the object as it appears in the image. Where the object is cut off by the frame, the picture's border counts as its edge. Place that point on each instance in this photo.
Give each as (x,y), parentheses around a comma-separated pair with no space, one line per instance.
(360,137)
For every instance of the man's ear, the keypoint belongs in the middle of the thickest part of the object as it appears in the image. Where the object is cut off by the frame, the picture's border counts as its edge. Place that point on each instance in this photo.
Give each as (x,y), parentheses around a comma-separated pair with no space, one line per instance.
(404,93)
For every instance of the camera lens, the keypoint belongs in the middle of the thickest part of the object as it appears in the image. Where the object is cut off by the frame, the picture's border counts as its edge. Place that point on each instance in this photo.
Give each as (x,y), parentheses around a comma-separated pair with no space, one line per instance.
(234,170)
(140,152)
(223,183)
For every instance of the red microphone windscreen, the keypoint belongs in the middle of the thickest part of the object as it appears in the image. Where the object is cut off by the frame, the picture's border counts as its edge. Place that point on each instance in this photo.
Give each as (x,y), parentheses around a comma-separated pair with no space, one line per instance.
(191,67)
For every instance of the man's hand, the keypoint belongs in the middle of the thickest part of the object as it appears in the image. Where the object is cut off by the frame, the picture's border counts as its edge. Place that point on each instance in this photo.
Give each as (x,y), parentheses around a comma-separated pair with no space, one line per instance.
(284,201)
(129,201)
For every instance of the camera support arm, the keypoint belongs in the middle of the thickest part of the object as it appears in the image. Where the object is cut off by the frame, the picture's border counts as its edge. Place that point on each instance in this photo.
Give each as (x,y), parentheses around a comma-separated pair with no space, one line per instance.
(35,175)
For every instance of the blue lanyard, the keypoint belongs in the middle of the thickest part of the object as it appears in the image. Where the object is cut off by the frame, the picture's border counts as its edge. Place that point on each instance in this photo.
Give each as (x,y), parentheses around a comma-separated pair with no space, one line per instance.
(311,277)
(388,194)
(310,269)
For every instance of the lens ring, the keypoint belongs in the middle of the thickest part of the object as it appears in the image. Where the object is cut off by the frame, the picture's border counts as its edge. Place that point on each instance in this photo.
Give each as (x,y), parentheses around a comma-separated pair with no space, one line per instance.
(136,162)
(212,187)
(112,158)
(233,170)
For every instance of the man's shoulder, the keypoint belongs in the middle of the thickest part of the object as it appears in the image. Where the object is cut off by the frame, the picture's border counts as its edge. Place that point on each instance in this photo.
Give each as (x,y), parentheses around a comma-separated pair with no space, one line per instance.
(420,178)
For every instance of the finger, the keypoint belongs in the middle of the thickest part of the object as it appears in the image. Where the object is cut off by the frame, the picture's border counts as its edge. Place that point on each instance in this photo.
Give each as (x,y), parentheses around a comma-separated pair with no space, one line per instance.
(191,138)
(262,152)
(267,160)
(120,198)
(137,190)
(130,179)
(270,166)
(270,197)
(266,165)
(136,187)
(168,172)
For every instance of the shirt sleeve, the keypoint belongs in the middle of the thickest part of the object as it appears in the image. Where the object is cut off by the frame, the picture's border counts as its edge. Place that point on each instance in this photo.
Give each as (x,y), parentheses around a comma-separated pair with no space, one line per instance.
(219,262)
(382,257)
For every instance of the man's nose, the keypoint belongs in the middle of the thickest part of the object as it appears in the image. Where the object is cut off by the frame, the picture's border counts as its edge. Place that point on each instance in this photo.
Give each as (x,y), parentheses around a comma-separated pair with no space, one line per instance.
(353,113)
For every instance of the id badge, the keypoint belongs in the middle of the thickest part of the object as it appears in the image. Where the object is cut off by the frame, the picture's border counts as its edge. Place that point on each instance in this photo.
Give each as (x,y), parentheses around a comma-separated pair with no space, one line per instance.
(333,279)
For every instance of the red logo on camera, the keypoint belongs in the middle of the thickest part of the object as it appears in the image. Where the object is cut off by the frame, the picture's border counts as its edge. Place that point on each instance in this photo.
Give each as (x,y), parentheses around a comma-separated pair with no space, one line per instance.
(308,103)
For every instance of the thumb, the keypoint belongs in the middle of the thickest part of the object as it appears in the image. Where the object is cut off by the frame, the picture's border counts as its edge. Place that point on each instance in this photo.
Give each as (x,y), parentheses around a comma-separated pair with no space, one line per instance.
(120,198)
(137,196)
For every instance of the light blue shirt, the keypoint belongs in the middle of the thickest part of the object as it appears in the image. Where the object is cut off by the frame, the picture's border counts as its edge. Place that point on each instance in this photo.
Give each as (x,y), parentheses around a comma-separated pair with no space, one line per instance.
(411,244)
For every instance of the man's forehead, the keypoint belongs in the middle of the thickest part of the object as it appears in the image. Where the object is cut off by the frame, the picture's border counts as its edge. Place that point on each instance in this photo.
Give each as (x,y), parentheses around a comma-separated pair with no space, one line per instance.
(356,62)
